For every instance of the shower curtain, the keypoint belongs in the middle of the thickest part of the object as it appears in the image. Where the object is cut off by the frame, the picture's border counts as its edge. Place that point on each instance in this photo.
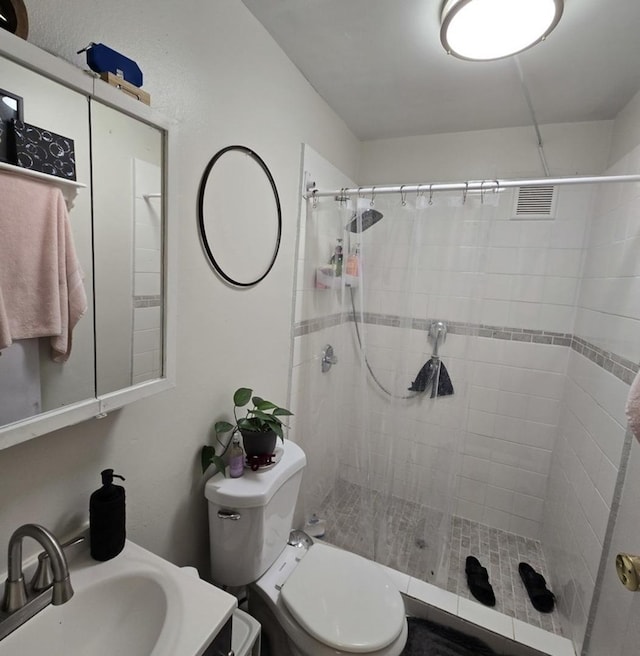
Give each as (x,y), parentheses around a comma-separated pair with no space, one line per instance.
(383,462)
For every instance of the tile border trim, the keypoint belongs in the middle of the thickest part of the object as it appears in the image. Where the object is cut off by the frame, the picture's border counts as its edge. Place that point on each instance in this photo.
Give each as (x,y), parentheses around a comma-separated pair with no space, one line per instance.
(154,300)
(618,366)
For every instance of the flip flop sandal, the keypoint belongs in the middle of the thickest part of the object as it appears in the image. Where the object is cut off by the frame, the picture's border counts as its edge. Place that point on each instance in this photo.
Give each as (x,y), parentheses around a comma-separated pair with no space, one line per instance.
(478,582)
(541,597)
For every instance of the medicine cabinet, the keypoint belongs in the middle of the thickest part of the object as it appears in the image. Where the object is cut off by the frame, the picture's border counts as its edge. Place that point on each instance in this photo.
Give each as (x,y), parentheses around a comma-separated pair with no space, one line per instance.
(120,207)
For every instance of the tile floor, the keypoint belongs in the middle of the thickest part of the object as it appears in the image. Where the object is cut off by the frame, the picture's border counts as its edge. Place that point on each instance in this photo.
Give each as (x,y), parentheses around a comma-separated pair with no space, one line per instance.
(403,544)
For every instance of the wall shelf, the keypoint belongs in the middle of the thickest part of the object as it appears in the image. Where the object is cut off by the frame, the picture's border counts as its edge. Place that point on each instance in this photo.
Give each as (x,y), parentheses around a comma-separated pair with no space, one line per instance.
(69,188)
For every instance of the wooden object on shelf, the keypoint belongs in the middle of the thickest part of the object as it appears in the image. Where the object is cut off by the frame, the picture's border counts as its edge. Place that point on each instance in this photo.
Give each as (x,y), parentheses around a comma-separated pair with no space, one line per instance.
(126,87)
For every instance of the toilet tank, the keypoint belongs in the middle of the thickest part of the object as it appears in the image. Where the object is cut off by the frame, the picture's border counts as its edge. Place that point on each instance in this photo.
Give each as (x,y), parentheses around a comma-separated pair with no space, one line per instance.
(250,517)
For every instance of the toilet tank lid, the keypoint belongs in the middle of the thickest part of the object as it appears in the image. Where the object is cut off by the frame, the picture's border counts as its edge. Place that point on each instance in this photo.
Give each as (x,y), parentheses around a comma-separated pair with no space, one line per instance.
(255,489)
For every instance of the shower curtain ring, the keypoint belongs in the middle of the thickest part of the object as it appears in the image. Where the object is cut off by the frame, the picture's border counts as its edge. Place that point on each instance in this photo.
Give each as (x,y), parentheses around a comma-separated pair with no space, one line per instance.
(497,189)
(482,192)
(314,203)
(373,196)
(464,193)
(418,192)
(430,194)
(403,196)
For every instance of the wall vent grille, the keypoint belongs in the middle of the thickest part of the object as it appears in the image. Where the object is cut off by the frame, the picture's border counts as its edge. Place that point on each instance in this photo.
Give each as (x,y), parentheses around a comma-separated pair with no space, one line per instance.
(536,202)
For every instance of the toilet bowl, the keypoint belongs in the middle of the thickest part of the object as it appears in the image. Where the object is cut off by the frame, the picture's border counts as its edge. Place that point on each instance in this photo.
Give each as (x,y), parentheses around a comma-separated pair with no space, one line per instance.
(331,602)
(328,602)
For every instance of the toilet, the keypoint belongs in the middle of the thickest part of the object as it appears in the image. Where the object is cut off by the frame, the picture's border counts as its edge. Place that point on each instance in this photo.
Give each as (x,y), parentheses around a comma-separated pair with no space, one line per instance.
(325,601)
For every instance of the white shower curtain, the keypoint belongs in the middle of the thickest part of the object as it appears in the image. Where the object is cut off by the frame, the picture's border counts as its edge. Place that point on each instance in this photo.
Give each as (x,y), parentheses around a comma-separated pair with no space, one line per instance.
(383,462)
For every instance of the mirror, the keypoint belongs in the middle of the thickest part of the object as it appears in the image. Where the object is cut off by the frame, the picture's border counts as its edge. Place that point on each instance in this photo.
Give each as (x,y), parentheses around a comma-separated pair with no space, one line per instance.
(30,382)
(239,216)
(118,221)
(126,161)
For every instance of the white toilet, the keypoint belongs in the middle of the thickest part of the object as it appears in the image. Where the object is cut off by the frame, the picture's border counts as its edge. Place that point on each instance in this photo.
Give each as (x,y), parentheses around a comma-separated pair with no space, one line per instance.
(327,601)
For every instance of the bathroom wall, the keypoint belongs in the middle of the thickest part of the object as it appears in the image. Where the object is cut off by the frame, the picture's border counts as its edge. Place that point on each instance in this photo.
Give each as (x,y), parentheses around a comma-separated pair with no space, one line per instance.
(216,73)
(592,441)
(570,148)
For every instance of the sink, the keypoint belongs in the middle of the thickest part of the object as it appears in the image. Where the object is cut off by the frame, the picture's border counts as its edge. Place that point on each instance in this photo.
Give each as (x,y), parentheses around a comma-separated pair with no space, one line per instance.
(135,604)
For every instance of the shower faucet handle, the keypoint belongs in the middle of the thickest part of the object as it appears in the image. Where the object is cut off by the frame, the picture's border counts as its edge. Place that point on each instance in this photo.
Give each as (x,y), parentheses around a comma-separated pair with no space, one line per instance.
(328,358)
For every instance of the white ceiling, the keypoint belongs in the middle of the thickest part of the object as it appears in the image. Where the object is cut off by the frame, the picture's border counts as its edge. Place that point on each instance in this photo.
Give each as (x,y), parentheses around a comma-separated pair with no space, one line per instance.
(380,65)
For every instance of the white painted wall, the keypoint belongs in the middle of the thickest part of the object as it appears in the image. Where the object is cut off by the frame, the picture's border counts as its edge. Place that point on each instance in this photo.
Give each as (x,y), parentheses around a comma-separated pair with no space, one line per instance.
(570,148)
(216,72)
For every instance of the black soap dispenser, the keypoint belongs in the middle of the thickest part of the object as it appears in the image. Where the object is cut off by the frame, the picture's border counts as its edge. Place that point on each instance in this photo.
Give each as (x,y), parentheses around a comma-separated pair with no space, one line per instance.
(107,530)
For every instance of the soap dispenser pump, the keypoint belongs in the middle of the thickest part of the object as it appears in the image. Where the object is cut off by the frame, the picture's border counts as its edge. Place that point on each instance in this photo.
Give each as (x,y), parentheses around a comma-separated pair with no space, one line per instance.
(107,528)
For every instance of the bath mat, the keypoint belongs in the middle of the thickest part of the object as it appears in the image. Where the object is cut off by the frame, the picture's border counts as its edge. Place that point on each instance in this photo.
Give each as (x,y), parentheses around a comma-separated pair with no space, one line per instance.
(427,638)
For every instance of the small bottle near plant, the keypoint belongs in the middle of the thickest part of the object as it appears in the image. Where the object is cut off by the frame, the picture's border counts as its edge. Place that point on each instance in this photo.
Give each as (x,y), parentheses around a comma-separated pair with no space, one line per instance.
(236,459)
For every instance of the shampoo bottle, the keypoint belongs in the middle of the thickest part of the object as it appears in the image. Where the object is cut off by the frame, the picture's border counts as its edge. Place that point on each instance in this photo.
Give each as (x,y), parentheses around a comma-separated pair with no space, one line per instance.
(353,263)
(336,259)
(107,529)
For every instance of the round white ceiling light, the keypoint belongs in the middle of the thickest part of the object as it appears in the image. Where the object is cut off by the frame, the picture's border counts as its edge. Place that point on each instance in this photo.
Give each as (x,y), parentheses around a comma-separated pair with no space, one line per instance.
(491,29)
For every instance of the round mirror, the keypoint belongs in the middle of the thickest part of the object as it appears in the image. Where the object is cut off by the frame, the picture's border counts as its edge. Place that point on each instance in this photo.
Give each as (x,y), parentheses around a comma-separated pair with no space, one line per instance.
(13,17)
(239,216)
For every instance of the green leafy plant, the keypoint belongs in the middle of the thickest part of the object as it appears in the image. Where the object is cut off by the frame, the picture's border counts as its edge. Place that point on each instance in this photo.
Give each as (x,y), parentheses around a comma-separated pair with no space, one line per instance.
(263,416)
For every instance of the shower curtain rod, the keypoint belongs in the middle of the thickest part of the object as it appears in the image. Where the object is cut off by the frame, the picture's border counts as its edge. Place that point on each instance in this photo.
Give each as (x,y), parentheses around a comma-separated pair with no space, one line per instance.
(471,185)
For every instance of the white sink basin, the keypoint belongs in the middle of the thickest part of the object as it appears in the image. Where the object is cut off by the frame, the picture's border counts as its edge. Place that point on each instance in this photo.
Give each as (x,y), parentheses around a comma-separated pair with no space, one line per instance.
(136,604)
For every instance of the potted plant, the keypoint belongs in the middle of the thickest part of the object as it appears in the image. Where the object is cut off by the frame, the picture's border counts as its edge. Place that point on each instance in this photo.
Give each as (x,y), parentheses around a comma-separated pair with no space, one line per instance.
(260,428)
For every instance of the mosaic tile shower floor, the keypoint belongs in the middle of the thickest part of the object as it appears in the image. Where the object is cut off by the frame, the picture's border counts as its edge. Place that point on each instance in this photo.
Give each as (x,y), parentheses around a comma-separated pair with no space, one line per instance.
(408,528)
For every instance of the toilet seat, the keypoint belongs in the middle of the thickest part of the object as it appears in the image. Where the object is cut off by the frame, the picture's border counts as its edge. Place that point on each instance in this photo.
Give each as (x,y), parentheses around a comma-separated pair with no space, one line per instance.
(344,601)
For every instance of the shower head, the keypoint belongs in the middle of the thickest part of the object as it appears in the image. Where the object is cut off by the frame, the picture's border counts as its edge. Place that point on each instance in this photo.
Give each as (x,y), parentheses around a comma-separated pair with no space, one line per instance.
(364,221)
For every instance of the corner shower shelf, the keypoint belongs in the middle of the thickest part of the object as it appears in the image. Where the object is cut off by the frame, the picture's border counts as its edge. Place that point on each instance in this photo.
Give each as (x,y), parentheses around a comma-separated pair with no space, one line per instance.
(69,188)
(325,279)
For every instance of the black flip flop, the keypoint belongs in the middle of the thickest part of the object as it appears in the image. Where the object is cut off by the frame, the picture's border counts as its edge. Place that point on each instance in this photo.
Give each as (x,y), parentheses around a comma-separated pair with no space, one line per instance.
(541,597)
(478,582)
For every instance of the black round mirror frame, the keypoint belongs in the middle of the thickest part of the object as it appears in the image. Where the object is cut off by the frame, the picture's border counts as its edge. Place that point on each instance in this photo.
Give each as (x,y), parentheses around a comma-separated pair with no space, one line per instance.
(15,18)
(201,226)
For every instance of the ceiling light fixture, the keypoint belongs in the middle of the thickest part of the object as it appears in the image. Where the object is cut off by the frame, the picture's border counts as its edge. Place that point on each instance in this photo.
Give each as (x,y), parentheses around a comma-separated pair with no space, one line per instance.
(491,29)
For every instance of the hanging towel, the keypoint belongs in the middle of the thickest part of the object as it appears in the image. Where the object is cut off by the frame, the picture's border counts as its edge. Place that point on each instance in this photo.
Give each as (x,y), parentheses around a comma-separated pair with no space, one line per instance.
(41,290)
(633,406)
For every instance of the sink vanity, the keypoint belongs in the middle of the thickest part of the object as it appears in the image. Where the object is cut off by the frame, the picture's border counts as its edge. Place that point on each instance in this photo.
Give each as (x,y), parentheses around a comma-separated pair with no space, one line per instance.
(135,604)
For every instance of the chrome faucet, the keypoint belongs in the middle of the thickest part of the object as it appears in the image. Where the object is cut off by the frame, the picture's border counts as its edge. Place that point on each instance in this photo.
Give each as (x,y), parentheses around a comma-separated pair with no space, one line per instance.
(18,604)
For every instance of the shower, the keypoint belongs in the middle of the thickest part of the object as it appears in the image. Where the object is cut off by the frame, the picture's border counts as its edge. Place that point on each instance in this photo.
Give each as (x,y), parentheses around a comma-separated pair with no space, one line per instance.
(420,483)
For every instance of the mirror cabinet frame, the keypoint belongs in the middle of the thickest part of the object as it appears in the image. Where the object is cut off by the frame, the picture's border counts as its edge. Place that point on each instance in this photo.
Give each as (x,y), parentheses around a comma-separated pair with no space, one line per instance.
(33,58)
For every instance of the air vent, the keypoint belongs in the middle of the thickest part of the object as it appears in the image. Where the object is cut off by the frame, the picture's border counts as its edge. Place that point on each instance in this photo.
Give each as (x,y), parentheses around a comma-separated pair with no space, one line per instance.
(537,202)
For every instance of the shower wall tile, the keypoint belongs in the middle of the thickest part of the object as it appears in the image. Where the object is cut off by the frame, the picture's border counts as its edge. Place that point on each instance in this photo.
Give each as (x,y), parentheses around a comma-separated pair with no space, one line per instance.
(582,483)
(608,311)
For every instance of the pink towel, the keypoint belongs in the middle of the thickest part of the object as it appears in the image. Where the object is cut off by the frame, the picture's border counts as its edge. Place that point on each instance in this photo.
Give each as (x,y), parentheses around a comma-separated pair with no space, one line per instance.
(633,406)
(41,290)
